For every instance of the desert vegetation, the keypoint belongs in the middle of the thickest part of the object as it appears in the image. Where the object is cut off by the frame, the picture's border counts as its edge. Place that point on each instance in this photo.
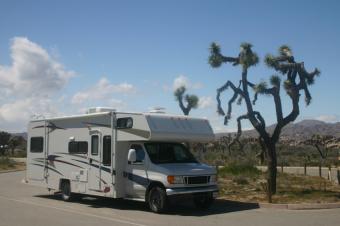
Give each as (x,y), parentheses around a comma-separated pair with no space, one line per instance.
(296,81)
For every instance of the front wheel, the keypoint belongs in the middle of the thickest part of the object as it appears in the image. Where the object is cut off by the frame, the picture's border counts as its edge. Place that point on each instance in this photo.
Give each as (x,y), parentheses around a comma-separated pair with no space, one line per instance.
(203,201)
(157,199)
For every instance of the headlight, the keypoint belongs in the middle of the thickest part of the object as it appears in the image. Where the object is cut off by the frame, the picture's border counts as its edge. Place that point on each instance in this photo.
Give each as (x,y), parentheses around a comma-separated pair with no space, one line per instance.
(213,178)
(175,179)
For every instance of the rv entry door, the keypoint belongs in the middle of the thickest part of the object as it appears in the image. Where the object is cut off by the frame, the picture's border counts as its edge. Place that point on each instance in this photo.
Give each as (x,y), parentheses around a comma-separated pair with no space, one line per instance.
(36,156)
(94,175)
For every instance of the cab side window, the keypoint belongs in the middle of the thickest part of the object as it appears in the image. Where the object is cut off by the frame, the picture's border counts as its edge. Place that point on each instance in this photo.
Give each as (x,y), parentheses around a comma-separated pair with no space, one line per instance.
(140,154)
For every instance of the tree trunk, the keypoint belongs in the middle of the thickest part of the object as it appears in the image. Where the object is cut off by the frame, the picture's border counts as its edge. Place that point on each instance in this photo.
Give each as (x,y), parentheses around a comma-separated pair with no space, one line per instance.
(272,168)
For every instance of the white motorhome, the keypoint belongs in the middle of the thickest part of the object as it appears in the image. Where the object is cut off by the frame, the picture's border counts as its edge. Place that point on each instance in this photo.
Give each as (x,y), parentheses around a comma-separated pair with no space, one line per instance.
(137,156)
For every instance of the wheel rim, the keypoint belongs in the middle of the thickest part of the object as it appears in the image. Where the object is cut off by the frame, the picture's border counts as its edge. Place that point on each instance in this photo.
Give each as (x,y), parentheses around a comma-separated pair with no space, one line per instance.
(66,191)
(155,200)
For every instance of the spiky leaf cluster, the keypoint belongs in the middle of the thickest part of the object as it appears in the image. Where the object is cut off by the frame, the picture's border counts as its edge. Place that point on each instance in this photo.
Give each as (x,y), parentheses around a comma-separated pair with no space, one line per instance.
(215,58)
(317,72)
(275,80)
(270,60)
(245,45)
(287,85)
(310,80)
(192,101)
(285,50)
(261,87)
(247,57)
(179,92)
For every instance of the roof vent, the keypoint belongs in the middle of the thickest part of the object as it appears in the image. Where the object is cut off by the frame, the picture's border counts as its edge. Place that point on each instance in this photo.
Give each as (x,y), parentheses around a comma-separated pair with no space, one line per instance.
(93,110)
(158,110)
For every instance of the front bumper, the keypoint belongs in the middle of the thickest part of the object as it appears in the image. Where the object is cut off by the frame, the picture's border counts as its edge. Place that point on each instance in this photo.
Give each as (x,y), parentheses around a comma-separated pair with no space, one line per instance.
(191,190)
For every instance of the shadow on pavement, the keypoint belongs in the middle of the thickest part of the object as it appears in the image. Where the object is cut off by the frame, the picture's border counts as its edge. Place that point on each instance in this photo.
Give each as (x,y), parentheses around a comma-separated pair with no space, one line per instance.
(181,208)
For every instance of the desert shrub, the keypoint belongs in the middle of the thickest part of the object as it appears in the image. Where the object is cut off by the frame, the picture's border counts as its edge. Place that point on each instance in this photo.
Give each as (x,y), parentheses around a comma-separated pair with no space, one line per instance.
(6,162)
(20,154)
(240,169)
(240,180)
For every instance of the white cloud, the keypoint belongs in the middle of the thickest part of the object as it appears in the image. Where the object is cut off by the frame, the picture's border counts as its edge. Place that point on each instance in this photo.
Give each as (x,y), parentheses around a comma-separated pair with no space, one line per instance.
(33,71)
(205,102)
(103,89)
(15,115)
(184,81)
(29,84)
(328,118)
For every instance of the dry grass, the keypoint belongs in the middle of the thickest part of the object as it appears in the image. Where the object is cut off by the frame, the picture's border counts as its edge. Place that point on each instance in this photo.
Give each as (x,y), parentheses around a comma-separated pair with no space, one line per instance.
(290,188)
(8,164)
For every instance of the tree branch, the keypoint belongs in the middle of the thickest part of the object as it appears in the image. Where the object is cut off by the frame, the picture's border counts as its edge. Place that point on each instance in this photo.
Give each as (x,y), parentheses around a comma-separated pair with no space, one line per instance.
(185,110)
(239,130)
(295,96)
(234,60)
(237,92)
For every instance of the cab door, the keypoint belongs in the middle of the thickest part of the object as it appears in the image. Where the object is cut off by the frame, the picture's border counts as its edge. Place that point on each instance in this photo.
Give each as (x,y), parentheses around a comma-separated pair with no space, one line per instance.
(135,174)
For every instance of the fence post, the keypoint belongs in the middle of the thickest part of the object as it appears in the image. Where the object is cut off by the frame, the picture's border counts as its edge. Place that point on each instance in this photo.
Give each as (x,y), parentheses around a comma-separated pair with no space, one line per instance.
(329,174)
(305,169)
(320,175)
(338,175)
(281,167)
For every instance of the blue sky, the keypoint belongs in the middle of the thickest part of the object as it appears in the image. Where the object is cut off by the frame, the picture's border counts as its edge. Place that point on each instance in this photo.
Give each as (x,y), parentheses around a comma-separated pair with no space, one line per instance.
(60,57)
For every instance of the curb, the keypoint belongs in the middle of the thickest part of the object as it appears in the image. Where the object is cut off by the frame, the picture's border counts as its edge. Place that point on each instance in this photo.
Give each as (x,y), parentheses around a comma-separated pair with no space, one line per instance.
(281,206)
(11,171)
(302,206)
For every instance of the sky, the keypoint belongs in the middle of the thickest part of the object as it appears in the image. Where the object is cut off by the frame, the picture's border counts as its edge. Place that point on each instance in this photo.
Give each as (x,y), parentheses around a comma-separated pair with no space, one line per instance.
(62,57)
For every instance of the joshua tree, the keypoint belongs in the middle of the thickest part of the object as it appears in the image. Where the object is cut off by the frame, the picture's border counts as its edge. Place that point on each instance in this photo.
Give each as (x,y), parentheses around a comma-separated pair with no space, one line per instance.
(323,143)
(14,142)
(296,79)
(4,139)
(191,100)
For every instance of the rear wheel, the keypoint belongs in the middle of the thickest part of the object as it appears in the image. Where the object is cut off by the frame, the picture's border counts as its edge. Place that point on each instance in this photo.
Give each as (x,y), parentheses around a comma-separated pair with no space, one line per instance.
(66,191)
(203,201)
(157,199)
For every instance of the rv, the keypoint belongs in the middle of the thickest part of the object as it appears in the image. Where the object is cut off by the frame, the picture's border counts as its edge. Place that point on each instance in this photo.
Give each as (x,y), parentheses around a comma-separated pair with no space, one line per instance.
(138,156)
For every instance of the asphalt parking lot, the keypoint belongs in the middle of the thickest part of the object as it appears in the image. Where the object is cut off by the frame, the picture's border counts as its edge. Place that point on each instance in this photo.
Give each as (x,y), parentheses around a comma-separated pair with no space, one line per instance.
(21,204)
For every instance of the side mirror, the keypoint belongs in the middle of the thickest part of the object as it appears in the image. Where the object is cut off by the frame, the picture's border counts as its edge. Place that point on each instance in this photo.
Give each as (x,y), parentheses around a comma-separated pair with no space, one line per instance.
(132,155)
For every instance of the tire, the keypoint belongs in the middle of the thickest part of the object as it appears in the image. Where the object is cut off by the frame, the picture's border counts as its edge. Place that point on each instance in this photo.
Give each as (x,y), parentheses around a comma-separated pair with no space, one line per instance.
(66,191)
(203,201)
(157,199)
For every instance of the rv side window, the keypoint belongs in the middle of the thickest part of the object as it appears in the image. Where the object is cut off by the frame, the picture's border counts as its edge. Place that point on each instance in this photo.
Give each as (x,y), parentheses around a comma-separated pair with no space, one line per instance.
(94,145)
(82,147)
(77,147)
(37,144)
(107,150)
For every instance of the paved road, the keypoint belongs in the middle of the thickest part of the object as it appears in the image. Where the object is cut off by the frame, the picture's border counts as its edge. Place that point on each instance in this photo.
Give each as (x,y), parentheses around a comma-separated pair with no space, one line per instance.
(22,204)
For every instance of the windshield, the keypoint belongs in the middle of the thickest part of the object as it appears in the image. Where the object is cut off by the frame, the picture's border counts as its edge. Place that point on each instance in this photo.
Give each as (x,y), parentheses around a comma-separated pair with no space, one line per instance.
(160,153)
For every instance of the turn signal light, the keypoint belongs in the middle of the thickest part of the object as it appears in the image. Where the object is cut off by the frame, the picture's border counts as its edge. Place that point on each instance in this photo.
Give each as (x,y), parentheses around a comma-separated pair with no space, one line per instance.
(171,179)
(175,179)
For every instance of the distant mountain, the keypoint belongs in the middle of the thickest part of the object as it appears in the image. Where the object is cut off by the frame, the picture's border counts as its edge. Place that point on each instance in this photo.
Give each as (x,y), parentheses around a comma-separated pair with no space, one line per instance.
(300,130)
(294,131)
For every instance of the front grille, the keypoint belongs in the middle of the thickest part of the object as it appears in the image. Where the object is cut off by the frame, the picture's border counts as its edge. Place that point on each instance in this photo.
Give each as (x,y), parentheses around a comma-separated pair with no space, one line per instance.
(197,180)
